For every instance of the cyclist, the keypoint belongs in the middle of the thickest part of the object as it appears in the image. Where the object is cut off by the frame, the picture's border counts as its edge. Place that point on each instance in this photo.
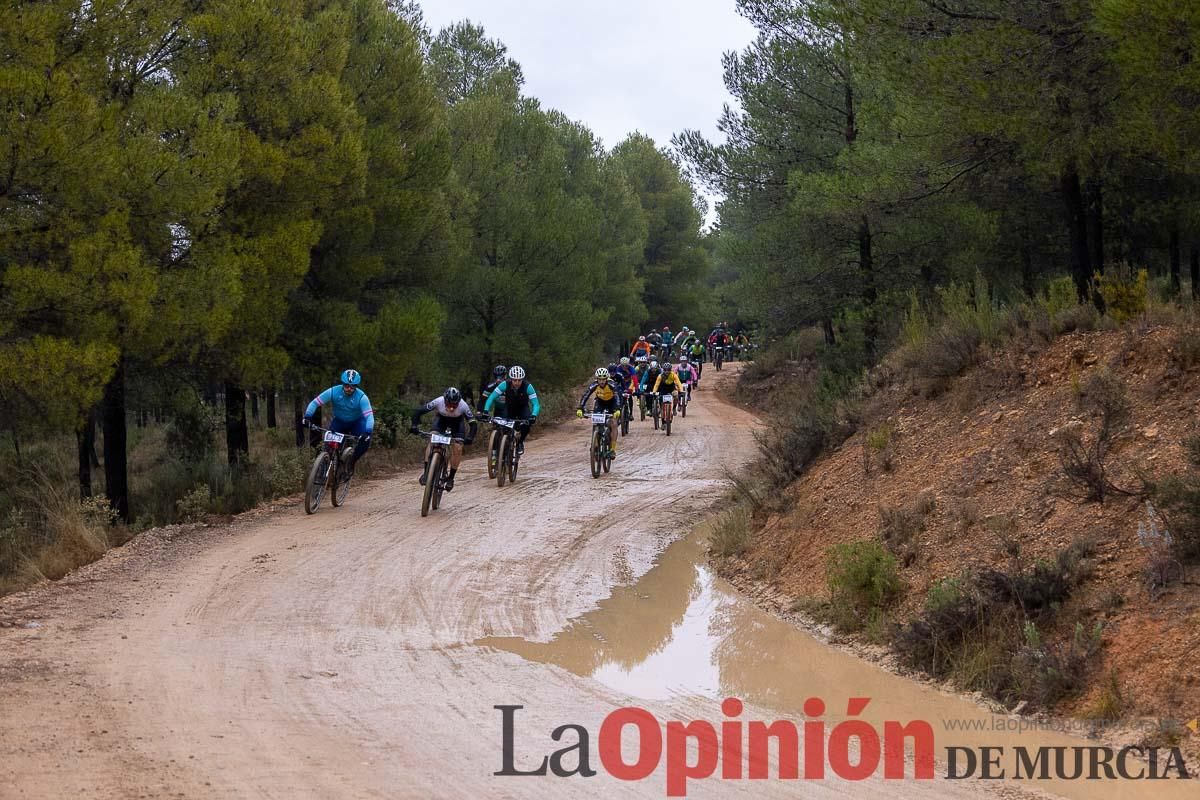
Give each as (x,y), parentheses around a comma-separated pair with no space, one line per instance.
(352,414)
(646,384)
(668,339)
(520,403)
(683,340)
(696,355)
(655,342)
(499,372)
(625,375)
(742,343)
(687,374)
(667,380)
(640,348)
(453,414)
(609,398)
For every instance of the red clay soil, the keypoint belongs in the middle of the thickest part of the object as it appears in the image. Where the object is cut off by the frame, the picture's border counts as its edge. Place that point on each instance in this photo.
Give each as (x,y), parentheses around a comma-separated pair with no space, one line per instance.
(985,448)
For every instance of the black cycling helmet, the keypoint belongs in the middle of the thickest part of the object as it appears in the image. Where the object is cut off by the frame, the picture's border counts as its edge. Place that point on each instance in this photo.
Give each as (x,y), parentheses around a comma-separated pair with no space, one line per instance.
(499,371)
(452,396)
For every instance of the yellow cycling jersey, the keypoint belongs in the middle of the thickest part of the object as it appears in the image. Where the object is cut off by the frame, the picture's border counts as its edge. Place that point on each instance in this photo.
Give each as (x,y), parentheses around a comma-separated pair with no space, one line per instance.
(605,392)
(672,378)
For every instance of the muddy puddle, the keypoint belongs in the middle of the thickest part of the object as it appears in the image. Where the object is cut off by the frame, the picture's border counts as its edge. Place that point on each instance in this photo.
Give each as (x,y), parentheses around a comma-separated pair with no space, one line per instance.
(681,632)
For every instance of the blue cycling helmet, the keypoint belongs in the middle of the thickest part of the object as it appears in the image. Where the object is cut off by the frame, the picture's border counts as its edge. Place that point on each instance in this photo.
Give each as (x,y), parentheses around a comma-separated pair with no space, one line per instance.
(351,377)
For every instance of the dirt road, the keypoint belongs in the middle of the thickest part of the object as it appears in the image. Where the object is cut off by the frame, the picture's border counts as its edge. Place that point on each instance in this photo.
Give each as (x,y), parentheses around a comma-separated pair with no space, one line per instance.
(353,653)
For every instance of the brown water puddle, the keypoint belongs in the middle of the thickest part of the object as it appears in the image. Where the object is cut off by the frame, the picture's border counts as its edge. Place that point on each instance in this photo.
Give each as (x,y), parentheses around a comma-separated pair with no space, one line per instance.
(682,632)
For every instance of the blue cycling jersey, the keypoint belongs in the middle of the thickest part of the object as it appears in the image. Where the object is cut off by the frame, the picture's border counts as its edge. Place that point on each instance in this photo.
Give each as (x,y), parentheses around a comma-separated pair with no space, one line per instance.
(354,408)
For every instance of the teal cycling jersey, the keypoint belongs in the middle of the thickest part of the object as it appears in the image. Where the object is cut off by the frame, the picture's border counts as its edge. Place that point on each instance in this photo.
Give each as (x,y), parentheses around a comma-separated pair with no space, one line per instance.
(517,400)
(346,409)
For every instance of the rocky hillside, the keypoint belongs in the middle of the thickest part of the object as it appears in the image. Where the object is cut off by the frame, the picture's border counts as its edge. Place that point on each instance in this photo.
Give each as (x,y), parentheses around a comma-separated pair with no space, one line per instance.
(973,480)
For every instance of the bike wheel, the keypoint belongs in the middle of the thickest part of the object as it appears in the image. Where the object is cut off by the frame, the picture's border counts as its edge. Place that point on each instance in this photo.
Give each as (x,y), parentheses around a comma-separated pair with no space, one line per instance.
(656,414)
(435,473)
(683,409)
(512,467)
(607,462)
(318,476)
(341,488)
(594,454)
(503,464)
(642,408)
(493,454)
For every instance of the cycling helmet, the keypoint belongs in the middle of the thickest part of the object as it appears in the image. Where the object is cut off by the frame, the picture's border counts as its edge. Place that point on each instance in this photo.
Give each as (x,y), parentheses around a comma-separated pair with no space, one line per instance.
(624,360)
(351,377)
(452,396)
(602,374)
(641,338)
(612,368)
(666,327)
(516,373)
(642,359)
(683,360)
(500,371)
(654,364)
(667,367)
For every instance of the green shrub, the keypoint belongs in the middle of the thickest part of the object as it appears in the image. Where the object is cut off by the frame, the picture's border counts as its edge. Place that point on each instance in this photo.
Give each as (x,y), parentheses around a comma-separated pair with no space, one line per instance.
(944,594)
(915,331)
(194,505)
(288,472)
(191,433)
(862,579)
(1061,296)
(1125,293)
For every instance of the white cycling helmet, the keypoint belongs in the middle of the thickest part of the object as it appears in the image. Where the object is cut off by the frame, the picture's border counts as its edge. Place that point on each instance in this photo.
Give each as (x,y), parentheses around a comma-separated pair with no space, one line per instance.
(516,373)
(602,374)
(624,360)
(654,363)
(641,338)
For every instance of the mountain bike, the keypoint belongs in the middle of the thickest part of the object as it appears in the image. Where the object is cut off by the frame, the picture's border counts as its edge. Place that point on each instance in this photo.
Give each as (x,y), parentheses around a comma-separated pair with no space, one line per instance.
(628,415)
(328,470)
(655,408)
(435,480)
(504,457)
(667,404)
(643,406)
(718,355)
(684,396)
(600,454)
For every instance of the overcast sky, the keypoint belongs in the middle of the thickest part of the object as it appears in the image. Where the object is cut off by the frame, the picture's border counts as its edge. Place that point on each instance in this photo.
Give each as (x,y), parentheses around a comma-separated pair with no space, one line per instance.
(615,65)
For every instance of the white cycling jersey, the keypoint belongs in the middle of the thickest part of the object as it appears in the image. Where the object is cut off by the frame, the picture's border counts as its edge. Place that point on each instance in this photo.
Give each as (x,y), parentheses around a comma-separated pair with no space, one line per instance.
(438,404)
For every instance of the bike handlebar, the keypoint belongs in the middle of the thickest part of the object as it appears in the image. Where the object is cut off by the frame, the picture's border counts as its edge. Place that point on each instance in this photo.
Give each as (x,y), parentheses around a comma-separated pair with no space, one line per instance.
(319,429)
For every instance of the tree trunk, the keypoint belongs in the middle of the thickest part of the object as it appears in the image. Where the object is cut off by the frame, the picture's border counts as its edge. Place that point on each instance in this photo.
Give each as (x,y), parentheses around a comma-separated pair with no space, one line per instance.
(1195,272)
(85,438)
(866,266)
(272,422)
(1027,282)
(1081,267)
(827,329)
(254,405)
(1176,259)
(116,472)
(298,419)
(1096,223)
(237,437)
